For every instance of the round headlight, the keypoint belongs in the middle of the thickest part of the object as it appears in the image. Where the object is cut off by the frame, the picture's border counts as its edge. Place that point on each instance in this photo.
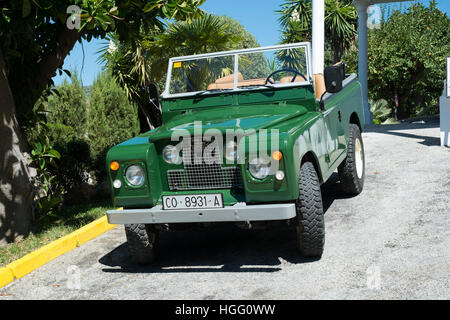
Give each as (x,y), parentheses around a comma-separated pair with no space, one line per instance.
(259,167)
(171,155)
(135,175)
(231,150)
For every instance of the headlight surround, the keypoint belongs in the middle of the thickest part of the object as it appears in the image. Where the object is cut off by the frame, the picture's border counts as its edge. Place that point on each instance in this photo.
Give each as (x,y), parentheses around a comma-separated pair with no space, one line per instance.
(171,155)
(259,167)
(135,175)
(231,151)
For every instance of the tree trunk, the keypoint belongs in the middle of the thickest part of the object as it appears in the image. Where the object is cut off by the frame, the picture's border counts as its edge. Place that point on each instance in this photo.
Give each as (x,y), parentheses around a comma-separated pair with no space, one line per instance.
(16,194)
(144,120)
(149,115)
(337,52)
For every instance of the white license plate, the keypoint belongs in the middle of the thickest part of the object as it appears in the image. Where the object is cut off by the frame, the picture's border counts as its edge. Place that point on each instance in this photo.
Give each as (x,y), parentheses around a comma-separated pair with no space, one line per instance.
(193,201)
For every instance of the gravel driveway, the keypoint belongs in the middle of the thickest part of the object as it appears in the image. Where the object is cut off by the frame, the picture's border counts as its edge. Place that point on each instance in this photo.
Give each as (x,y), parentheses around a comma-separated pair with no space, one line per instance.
(390,242)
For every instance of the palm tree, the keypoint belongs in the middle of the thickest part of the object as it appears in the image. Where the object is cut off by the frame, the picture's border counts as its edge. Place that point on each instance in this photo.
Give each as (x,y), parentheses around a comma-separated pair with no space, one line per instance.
(136,66)
(341,19)
(130,67)
(296,20)
(206,34)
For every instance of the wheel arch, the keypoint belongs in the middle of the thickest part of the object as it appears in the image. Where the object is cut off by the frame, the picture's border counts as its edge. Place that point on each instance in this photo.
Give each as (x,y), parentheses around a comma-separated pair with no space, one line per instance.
(311,157)
(354,119)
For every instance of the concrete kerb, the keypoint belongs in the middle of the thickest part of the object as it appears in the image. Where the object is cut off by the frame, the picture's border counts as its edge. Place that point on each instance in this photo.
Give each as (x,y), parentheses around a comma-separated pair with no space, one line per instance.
(43,255)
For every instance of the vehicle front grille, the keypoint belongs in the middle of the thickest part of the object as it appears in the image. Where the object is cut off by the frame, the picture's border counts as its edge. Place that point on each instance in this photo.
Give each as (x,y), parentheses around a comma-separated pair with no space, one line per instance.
(203,169)
(204,177)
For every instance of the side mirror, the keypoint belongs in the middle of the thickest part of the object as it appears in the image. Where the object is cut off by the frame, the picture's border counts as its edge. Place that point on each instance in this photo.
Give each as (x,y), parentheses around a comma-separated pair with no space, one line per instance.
(334,75)
(154,94)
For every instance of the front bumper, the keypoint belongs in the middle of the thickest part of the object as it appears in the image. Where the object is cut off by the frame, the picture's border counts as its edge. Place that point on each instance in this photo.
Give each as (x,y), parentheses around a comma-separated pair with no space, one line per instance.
(237,212)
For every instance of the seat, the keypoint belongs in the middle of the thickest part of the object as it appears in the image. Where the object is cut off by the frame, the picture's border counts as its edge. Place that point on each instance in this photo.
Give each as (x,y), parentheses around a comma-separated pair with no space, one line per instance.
(218,86)
(288,79)
(252,82)
(229,78)
(319,85)
(226,82)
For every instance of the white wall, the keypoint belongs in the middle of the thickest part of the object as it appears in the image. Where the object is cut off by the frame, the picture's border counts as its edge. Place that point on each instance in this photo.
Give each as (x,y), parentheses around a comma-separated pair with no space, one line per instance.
(444,108)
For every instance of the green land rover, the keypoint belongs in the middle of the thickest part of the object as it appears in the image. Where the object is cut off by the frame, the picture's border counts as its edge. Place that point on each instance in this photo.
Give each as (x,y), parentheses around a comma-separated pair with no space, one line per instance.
(248,137)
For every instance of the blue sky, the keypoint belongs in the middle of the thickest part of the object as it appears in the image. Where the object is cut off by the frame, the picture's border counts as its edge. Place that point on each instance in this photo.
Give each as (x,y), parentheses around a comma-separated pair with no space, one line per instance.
(257,16)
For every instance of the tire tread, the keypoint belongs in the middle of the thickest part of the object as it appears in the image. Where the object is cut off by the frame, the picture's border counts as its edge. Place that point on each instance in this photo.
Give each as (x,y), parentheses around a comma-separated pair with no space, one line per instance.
(141,243)
(350,183)
(310,215)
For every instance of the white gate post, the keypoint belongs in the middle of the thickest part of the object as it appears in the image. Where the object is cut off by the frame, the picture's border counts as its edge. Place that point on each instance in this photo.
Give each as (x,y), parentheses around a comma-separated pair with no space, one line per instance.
(318,36)
(361,6)
(444,110)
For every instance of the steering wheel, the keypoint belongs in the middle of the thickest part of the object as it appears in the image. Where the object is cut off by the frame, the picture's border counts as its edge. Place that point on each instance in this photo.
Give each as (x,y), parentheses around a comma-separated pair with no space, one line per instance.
(284,70)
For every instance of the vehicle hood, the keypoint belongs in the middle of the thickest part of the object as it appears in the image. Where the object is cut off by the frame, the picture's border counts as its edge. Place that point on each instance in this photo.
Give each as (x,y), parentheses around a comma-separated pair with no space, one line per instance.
(231,117)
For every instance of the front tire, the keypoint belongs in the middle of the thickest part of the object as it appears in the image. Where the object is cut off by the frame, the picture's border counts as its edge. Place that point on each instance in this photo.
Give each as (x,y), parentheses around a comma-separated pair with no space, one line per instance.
(142,243)
(310,225)
(351,170)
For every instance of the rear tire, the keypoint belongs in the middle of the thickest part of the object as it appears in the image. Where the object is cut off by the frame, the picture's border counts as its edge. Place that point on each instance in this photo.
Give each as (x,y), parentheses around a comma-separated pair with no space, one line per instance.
(142,243)
(351,170)
(310,216)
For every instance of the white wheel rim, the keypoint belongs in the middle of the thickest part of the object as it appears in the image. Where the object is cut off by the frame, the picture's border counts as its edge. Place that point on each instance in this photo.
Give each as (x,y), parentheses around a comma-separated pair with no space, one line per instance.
(359,158)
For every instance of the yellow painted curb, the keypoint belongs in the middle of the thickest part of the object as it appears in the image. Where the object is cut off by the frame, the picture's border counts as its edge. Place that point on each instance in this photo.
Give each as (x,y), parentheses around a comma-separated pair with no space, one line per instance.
(6,276)
(92,230)
(41,256)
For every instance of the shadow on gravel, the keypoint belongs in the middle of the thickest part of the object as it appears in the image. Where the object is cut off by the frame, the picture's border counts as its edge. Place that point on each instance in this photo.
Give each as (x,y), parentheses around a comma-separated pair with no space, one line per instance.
(222,248)
(393,129)
(331,191)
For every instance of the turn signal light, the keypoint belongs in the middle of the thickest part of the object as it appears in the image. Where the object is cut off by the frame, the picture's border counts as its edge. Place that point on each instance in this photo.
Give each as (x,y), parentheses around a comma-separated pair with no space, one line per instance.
(277,155)
(114,166)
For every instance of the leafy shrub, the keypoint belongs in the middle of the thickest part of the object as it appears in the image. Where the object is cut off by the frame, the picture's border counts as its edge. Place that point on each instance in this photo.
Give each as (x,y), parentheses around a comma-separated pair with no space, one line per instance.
(44,158)
(62,125)
(61,134)
(406,56)
(112,119)
(74,165)
(60,150)
(68,108)
(380,110)
(83,130)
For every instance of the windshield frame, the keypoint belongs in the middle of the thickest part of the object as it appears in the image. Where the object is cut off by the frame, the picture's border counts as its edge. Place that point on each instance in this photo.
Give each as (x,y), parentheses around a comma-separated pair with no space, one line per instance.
(166,94)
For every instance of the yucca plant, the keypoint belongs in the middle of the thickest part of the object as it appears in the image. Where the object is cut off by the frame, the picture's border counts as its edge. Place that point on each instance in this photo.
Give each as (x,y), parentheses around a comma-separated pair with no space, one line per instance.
(130,66)
(135,66)
(206,34)
(341,19)
(380,110)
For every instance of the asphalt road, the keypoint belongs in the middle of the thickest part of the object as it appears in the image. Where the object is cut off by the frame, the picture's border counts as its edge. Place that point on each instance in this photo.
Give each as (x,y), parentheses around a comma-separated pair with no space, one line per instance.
(390,242)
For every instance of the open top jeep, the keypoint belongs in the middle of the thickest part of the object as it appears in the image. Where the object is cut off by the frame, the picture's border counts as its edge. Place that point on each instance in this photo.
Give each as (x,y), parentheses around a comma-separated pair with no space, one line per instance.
(247,136)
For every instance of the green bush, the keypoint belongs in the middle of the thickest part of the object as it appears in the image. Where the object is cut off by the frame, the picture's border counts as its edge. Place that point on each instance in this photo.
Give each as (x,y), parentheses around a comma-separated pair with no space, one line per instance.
(74,165)
(112,119)
(44,158)
(67,111)
(380,110)
(60,133)
(64,127)
(407,57)
(79,131)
